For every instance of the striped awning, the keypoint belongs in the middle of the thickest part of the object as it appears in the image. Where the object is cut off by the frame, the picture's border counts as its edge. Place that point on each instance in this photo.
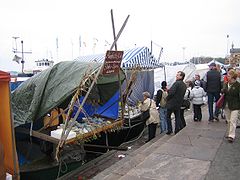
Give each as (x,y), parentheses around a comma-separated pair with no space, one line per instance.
(137,57)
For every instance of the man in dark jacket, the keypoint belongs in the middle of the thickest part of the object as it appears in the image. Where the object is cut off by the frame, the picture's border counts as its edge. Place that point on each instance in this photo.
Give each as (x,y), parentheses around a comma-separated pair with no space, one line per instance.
(213,86)
(174,102)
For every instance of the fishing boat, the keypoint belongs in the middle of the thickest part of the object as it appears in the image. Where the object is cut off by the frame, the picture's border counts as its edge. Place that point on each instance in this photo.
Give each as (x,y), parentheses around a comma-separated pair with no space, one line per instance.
(36,102)
(41,107)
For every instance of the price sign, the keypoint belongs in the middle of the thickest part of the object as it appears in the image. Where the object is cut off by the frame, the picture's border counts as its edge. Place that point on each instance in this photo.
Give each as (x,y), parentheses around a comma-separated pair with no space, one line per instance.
(112,62)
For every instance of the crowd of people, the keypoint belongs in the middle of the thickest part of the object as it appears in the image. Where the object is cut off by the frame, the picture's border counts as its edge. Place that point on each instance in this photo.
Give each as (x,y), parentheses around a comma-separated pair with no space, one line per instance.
(180,95)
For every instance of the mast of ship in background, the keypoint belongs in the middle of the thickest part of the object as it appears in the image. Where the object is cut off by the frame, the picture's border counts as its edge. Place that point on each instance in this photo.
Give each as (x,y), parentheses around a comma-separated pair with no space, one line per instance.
(15,51)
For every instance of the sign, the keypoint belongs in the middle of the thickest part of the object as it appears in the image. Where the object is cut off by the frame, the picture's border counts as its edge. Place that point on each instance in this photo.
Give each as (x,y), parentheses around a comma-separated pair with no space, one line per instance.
(112,62)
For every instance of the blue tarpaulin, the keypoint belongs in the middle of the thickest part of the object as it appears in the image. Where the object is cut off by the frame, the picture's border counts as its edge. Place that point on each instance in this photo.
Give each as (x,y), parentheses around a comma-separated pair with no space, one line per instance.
(108,110)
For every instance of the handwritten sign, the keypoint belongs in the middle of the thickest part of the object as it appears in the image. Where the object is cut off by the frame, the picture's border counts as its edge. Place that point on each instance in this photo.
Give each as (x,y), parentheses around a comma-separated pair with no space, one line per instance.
(112,62)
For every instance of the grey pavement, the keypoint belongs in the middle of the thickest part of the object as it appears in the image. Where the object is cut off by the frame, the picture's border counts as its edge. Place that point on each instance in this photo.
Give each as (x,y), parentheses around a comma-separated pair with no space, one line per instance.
(199,151)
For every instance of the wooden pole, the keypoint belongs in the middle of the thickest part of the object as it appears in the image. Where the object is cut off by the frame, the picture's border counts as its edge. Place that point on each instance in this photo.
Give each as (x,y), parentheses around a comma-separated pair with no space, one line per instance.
(113,27)
(65,135)
(119,81)
(120,32)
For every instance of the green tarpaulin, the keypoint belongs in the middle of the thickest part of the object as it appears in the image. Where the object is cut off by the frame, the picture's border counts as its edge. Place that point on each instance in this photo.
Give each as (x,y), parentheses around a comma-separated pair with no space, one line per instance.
(51,88)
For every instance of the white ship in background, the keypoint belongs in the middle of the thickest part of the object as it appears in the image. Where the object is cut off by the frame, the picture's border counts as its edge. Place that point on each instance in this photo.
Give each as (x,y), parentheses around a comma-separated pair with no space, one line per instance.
(18,78)
(42,65)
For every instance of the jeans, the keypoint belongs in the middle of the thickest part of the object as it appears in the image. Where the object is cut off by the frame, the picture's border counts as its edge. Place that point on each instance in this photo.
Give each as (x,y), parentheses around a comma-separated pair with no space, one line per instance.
(177,120)
(163,119)
(212,97)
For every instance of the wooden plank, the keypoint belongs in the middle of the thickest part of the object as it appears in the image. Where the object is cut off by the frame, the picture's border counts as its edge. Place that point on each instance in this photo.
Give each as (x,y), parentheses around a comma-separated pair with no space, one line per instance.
(53,140)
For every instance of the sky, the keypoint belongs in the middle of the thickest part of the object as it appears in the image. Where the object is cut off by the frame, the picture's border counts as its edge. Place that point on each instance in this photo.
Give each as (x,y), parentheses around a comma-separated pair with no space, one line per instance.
(61,30)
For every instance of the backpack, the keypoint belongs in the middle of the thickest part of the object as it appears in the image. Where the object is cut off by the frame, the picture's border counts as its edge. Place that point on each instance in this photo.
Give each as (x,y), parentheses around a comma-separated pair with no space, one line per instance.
(163,100)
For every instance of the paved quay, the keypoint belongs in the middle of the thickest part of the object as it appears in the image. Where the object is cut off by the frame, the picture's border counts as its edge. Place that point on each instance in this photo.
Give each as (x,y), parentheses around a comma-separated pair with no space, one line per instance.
(199,151)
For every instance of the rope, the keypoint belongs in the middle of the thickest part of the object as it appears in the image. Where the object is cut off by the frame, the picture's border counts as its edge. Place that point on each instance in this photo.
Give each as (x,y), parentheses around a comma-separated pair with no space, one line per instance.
(60,168)
(106,140)
(140,135)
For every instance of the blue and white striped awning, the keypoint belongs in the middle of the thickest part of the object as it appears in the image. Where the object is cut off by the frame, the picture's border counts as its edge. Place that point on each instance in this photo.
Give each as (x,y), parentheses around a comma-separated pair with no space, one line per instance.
(137,57)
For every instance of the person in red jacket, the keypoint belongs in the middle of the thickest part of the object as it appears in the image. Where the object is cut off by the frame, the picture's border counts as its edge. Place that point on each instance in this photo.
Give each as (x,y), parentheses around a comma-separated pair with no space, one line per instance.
(225,78)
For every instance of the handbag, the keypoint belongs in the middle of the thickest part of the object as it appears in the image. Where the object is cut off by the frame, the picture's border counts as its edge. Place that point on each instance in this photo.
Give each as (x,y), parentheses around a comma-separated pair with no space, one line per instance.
(220,101)
(186,103)
(146,114)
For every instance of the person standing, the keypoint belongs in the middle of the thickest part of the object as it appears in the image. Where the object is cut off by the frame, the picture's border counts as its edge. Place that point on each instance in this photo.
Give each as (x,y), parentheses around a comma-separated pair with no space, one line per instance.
(232,103)
(196,96)
(185,105)
(153,120)
(174,102)
(213,87)
(161,100)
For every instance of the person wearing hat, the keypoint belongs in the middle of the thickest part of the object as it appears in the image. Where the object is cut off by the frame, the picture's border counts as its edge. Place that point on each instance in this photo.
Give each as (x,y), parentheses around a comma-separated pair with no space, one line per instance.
(213,88)
(196,95)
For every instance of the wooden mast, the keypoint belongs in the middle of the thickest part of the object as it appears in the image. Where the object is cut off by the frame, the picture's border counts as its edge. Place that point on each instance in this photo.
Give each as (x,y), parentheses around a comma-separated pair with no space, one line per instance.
(66,130)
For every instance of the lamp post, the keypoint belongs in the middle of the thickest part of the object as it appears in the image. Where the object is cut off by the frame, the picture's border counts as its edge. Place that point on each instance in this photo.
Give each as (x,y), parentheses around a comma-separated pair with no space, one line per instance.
(227,44)
(183,48)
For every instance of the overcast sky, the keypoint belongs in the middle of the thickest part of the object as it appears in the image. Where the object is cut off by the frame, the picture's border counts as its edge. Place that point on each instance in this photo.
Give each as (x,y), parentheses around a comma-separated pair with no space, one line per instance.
(200,26)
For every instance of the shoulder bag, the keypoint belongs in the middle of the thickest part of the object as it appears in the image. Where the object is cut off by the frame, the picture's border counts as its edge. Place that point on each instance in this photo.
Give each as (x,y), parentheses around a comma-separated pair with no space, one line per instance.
(146,114)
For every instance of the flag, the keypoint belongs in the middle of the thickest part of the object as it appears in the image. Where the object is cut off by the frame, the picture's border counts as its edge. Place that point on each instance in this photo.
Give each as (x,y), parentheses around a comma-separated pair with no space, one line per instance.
(16,58)
(57,43)
(80,41)
(106,43)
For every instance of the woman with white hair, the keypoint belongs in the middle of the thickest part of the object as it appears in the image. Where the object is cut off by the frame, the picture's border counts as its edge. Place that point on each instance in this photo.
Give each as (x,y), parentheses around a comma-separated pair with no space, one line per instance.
(153,120)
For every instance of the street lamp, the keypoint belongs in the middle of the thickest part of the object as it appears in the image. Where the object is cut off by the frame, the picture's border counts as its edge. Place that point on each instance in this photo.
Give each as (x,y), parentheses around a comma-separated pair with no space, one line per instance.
(227,44)
(183,48)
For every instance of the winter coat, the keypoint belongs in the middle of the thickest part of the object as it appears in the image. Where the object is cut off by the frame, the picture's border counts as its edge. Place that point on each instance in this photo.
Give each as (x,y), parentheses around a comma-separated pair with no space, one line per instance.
(175,95)
(213,81)
(232,96)
(197,95)
(154,115)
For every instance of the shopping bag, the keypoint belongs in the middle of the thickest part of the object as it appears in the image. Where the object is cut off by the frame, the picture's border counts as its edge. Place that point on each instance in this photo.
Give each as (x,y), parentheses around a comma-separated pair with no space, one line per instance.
(220,101)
